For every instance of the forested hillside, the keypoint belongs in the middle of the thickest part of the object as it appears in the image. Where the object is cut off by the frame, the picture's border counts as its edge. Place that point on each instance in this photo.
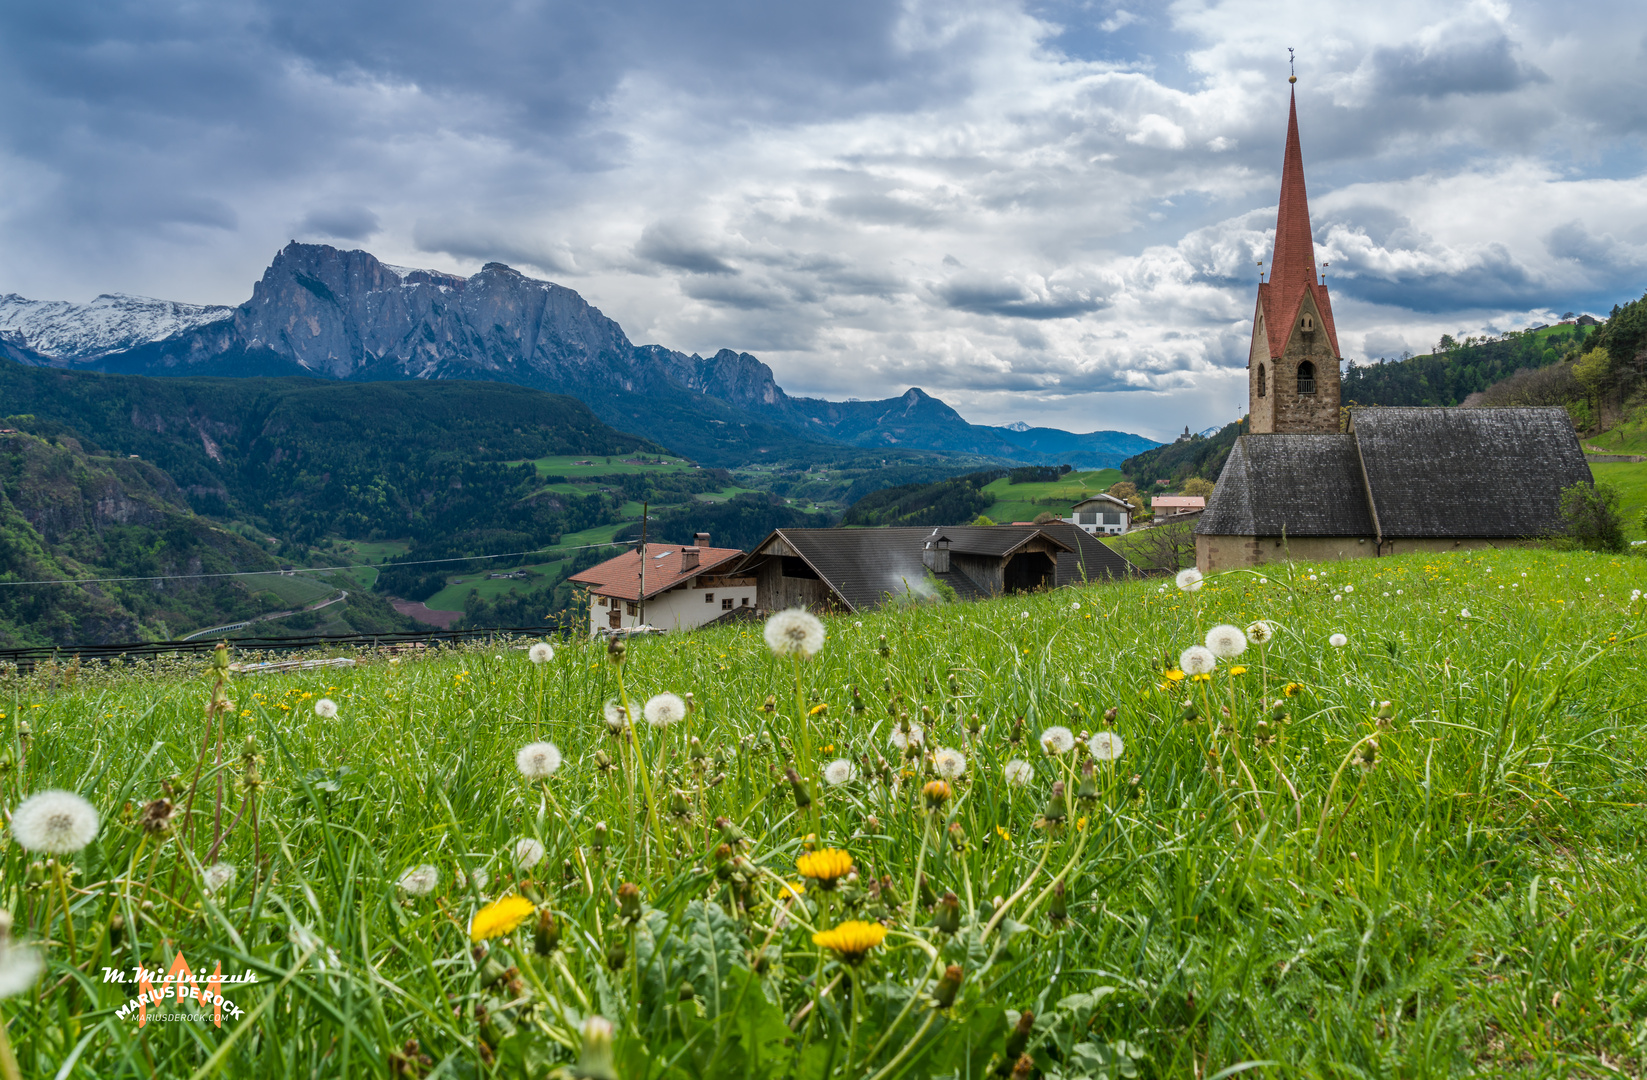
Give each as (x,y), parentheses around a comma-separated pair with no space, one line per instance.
(1458,368)
(1166,468)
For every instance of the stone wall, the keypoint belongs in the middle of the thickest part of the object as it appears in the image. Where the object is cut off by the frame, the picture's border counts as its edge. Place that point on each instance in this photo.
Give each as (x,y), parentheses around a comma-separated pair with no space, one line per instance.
(1215,554)
(1282,408)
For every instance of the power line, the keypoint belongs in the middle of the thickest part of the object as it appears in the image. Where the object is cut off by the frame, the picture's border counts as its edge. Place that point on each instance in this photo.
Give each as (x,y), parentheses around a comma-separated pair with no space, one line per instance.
(321,569)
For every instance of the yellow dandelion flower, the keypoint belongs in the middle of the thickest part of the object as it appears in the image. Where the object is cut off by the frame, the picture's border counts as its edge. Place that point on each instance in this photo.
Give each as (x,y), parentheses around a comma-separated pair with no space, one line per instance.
(816,709)
(796,889)
(1238,669)
(500,917)
(851,939)
(1292,688)
(824,866)
(1175,675)
(1080,824)
(1203,677)
(1000,830)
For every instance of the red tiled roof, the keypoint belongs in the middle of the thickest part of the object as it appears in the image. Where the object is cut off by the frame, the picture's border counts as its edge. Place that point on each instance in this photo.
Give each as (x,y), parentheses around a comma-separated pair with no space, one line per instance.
(1292,264)
(620,577)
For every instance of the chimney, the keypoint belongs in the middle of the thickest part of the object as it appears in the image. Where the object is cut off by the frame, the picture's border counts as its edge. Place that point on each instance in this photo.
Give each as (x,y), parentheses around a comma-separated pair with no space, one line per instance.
(701,539)
(689,559)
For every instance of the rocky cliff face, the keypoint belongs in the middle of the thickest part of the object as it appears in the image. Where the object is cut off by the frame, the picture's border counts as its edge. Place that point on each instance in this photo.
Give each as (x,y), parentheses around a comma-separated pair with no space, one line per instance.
(344,314)
(336,314)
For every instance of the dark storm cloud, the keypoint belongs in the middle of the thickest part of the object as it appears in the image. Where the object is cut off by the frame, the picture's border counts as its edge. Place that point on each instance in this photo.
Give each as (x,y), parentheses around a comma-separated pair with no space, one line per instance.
(993,296)
(670,245)
(1480,66)
(1493,278)
(343,222)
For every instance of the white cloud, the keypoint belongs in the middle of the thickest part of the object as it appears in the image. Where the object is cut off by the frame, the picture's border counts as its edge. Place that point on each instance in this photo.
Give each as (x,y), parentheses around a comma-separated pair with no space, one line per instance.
(962,196)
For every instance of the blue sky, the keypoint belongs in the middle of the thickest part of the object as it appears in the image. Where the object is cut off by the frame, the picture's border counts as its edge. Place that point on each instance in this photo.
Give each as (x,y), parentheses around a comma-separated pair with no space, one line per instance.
(1046,211)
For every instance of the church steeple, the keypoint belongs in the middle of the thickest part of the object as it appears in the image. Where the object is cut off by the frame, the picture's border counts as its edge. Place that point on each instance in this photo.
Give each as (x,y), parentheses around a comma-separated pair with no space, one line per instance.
(1293,366)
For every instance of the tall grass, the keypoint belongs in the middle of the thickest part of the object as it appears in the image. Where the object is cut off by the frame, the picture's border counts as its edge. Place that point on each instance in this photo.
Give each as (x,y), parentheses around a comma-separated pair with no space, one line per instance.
(1452,887)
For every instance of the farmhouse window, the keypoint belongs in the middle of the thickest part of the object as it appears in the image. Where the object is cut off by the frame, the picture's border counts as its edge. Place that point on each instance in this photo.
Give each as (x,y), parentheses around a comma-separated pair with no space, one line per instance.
(1306,378)
(1112,519)
(630,608)
(709,598)
(745,602)
(726,604)
(1089,519)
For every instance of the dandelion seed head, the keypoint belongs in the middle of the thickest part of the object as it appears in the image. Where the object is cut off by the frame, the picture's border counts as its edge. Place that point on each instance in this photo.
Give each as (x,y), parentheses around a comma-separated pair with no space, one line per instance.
(838,772)
(617,717)
(664,709)
(56,822)
(949,764)
(20,966)
(1057,740)
(538,760)
(1189,580)
(1106,746)
(795,633)
(1018,772)
(326,708)
(1197,660)
(1226,642)
(1338,641)
(541,653)
(1260,632)
(916,736)
(217,877)
(528,853)
(420,880)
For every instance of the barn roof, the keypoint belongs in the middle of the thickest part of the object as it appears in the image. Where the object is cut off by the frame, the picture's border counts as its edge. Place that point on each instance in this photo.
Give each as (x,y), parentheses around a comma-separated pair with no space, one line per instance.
(1403,473)
(1293,485)
(1468,472)
(863,566)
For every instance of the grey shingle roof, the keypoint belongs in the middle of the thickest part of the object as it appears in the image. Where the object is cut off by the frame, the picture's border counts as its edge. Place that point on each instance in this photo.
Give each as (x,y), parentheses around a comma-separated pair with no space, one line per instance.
(1468,472)
(864,565)
(1091,559)
(1297,485)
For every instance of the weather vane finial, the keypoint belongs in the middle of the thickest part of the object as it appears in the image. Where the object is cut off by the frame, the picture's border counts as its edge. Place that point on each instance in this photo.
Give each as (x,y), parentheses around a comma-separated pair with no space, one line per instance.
(1292,69)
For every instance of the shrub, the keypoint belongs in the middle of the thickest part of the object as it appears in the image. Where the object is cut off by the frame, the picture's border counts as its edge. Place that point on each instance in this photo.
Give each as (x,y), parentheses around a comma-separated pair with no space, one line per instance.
(1590,514)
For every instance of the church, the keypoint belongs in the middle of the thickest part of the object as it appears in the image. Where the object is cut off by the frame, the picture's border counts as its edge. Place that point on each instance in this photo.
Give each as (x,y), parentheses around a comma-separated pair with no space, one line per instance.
(1306,484)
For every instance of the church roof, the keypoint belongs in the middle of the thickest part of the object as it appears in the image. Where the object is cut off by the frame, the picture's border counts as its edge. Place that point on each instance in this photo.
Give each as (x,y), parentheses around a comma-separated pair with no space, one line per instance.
(1296,485)
(1403,473)
(1468,472)
(1292,264)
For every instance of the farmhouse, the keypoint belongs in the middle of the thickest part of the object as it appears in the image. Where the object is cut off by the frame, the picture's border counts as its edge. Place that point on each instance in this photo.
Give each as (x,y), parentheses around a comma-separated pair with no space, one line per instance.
(1166,506)
(1395,479)
(1101,515)
(686,585)
(861,569)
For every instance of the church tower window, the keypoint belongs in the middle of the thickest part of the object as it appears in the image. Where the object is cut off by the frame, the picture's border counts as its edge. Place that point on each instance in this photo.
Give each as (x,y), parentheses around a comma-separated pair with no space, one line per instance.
(1307,324)
(1260,380)
(1306,378)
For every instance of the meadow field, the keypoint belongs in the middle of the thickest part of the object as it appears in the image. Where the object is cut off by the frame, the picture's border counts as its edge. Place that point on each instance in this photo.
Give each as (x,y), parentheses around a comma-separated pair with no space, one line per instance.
(1390,825)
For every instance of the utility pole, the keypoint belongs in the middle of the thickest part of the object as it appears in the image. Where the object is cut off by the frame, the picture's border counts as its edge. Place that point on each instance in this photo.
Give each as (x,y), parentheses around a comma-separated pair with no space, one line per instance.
(642,607)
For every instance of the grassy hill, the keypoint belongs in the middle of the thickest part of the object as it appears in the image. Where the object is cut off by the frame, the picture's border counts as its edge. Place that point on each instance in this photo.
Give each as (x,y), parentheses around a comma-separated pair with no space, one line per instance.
(1449,884)
(1459,368)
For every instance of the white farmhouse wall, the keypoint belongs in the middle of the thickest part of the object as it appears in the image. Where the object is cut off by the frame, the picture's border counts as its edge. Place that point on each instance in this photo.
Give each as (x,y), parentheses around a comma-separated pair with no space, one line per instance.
(681,608)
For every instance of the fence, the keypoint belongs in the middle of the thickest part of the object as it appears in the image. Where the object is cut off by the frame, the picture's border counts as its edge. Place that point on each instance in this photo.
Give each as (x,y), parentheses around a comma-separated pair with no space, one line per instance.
(27,657)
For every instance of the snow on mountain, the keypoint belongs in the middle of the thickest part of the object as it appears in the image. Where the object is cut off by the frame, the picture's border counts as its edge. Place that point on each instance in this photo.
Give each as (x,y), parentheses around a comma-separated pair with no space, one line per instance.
(1210,432)
(66,331)
(1017,425)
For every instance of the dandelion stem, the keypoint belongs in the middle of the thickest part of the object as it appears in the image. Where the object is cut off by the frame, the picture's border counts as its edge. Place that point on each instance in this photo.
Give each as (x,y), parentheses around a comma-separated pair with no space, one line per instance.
(907,1047)
(68,912)
(1326,804)
(8,1060)
(909,1003)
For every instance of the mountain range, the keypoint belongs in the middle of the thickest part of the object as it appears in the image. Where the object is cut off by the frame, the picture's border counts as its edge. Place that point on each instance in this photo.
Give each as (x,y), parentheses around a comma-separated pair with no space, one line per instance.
(346,315)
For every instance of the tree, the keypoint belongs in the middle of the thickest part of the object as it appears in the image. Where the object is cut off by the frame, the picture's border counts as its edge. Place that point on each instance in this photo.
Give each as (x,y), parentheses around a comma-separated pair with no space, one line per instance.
(983,520)
(1168,547)
(1196,485)
(1590,513)
(1124,490)
(1046,517)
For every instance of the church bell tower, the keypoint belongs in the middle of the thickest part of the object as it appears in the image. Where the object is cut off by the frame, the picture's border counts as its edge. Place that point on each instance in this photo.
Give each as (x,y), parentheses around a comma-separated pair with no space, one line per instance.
(1293,367)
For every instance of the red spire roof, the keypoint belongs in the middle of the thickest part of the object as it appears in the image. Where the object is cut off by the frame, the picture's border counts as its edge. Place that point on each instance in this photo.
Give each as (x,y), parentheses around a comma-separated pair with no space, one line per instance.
(1292,266)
